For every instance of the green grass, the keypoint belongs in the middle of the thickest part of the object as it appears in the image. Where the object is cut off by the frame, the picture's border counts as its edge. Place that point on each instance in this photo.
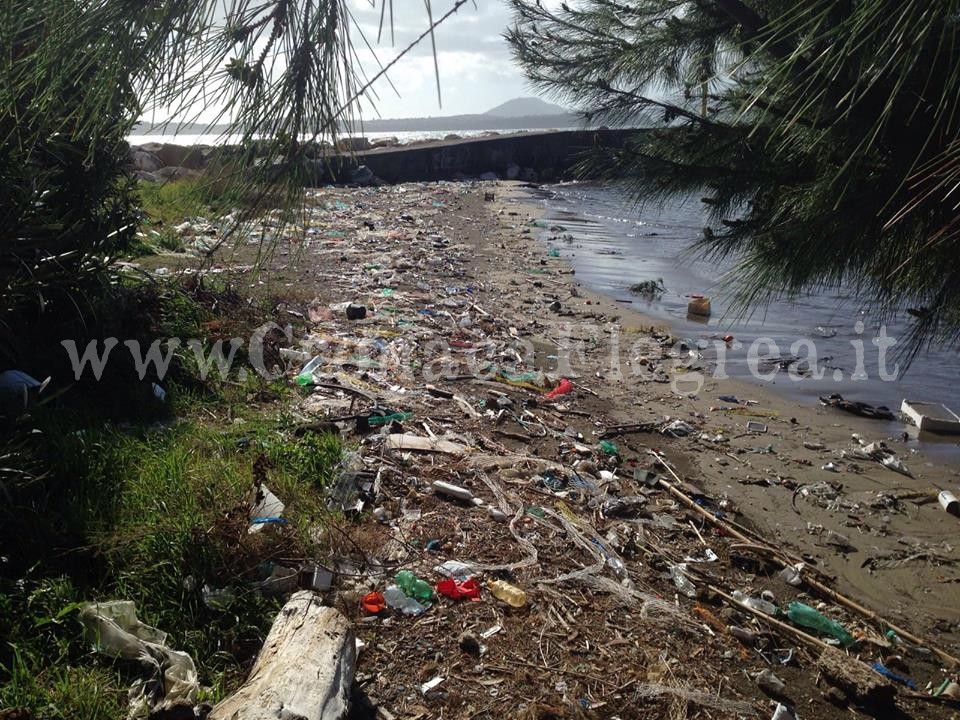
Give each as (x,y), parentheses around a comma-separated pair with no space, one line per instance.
(146,501)
(153,516)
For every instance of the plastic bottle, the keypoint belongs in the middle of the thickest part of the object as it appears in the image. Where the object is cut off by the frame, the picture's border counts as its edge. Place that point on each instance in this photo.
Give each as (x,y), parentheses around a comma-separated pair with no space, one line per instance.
(744,636)
(413,586)
(306,374)
(398,600)
(455,491)
(806,616)
(682,581)
(510,594)
(620,570)
(763,606)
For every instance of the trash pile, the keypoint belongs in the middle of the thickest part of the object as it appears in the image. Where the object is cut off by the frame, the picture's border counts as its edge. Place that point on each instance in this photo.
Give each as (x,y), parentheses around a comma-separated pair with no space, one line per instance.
(506,546)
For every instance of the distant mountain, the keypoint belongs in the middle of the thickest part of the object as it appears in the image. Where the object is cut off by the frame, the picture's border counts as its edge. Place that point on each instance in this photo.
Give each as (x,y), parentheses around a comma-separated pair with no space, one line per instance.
(523,107)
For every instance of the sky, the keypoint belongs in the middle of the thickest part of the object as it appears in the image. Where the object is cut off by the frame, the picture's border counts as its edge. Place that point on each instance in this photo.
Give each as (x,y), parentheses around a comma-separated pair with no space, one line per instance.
(476,70)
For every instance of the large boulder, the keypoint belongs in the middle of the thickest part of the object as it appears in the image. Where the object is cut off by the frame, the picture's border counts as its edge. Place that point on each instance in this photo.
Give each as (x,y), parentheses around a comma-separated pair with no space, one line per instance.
(143,160)
(385,142)
(353,144)
(194,157)
(175,172)
(489,176)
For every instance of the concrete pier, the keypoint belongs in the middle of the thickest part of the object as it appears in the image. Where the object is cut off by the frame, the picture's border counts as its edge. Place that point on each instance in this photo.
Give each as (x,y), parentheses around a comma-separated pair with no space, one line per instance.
(544,156)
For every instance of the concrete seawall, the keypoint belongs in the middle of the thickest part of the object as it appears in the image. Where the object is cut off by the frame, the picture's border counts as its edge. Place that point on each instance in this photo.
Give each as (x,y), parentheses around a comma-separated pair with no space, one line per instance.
(532,156)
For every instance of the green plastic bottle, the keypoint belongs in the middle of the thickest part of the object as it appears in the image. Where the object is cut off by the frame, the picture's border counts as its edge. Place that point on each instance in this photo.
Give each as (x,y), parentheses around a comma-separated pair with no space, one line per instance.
(413,586)
(807,617)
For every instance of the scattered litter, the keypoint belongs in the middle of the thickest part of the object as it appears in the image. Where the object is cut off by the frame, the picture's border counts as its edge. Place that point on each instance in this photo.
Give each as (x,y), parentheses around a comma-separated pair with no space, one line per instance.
(890,675)
(431,684)
(410,441)
(450,490)
(459,590)
(114,630)
(266,508)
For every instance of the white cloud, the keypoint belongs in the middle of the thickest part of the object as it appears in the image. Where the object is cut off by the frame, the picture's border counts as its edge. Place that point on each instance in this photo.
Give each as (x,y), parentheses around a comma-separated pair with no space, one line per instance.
(476,71)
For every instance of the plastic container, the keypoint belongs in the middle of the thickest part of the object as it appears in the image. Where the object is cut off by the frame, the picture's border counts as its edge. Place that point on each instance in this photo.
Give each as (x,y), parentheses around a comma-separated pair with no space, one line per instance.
(455,491)
(768,608)
(807,617)
(949,502)
(682,581)
(306,374)
(510,594)
(770,683)
(413,586)
(399,600)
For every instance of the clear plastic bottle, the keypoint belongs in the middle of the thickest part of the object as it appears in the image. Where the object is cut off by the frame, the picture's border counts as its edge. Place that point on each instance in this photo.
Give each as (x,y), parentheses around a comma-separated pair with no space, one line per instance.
(682,581)
(306,374)
(399,600)
(763,606)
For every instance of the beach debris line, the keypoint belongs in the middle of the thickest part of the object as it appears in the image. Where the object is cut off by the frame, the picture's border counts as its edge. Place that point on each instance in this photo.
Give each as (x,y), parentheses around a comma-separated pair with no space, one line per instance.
(520,546)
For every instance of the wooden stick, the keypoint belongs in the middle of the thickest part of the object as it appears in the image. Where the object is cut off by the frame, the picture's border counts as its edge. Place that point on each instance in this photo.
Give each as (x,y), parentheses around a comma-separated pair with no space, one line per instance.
(809,639)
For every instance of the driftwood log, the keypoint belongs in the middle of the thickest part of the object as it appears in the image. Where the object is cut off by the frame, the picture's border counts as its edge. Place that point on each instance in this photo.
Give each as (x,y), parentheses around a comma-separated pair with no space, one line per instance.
(304,670)
(860,683)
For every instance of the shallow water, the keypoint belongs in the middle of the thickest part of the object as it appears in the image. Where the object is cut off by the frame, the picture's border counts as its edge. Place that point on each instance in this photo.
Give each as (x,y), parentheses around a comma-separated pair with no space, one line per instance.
(613,244)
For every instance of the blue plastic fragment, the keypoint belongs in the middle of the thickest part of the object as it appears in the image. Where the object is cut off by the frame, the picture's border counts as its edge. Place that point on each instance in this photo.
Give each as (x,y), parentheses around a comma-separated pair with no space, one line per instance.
(888,673)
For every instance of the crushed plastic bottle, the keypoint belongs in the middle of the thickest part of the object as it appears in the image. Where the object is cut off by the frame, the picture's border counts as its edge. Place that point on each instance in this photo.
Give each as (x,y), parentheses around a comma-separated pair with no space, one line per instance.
(620,570)
(764,606)
(791,575)
(744,636)
(682,581)
(806,616)
(414,587)
(399,600)
(510,594)
(450,490)
(454,569)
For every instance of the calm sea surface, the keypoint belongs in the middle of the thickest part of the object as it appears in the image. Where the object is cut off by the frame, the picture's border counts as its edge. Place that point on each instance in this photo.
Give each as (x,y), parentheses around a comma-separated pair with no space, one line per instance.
(614,244)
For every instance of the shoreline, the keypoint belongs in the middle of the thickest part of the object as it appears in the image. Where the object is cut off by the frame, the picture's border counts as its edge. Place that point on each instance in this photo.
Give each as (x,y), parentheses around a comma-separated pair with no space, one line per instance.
(564,509)
(769,508)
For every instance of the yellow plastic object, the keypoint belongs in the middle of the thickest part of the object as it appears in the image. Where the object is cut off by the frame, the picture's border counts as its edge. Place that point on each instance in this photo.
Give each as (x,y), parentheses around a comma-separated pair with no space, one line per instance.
(510,594)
